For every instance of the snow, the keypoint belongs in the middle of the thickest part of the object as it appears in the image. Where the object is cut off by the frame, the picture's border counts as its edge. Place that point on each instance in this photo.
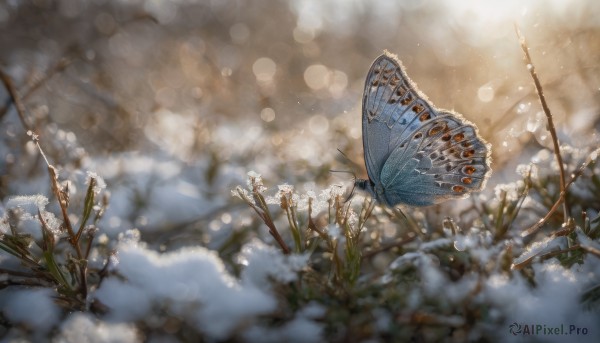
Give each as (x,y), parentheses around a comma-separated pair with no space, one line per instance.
(29,203)
(302,330)
(264,263)
(193,284)
(33,308)
(158,190)
(298,330)
(25,215)
(83,328)
(553,302)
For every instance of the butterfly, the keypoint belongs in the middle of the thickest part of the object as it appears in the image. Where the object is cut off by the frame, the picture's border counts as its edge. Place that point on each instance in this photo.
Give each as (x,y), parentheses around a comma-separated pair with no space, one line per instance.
(416,154)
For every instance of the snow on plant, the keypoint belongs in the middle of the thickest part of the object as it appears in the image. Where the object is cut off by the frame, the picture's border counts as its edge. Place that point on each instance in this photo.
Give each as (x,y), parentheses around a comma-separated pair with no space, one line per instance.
(54,251)
(193,285)
(309,229)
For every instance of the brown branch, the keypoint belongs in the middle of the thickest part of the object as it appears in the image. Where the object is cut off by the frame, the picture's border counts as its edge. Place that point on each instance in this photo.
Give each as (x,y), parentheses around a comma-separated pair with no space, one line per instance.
(551,128)
(591,250)
(545,256)
(12,91)
(58,67)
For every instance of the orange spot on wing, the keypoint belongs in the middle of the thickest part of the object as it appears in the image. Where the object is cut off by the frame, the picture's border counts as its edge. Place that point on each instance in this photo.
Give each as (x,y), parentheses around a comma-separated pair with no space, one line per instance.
(425,116)
(458,189)
(400,91)
(468,153)
(407,100)
(435,130)
(469,170)
(418,108)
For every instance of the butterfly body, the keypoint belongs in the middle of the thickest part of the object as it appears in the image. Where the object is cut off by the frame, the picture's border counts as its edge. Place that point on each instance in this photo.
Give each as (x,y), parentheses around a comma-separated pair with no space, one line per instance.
(416,154)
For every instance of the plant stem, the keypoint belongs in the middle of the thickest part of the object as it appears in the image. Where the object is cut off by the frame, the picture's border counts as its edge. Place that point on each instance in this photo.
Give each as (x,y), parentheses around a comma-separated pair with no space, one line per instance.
(551,128)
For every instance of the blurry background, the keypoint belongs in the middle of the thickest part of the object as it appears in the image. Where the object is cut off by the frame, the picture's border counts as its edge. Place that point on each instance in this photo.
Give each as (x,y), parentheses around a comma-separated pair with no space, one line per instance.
(173,102)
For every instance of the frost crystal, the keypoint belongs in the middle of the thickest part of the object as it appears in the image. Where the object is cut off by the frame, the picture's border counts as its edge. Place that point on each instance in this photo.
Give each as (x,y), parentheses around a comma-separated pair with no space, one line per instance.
(538,248)
(255,181)
(100,184)
(511,190)
(242,194)
(284,191)
(525,170)
(29,203)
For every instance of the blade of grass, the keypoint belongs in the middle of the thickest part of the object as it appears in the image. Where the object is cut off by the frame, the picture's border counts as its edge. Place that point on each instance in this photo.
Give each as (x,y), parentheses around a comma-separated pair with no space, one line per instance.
(87,207)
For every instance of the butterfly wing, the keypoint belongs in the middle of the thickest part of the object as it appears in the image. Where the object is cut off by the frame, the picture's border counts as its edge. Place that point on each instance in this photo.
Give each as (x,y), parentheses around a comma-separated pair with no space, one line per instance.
(414,153)
(441,160)
(392,109)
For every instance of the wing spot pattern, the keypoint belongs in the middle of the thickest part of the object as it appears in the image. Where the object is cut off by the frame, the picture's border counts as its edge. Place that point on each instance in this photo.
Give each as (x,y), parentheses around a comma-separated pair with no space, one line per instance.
(418,108)
(468,153)
(469,170)
(458,189)
(407,100)
(435,130)
(400,91)
(425,116)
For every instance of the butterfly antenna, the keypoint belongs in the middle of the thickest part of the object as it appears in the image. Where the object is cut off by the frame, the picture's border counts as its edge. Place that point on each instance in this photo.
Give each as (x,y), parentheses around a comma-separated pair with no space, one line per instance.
(353,181)
(349,172)
(351,192)
(346,157)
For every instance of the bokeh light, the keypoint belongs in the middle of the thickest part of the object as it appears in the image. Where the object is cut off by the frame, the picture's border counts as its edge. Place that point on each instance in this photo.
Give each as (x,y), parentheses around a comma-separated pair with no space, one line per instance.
(197,79)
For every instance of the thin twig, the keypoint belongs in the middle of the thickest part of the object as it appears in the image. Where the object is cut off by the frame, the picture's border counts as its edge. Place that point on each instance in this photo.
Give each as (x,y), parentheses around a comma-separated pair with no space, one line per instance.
(263,212)
(538,87)
(12,91)
(591,250)
(545,256)
(17,273)
(58,67)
